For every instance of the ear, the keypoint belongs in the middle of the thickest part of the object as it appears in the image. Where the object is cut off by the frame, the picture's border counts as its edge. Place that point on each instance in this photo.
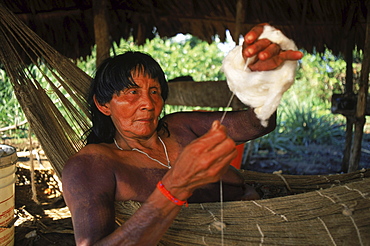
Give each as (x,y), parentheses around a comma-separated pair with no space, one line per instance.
(103,108)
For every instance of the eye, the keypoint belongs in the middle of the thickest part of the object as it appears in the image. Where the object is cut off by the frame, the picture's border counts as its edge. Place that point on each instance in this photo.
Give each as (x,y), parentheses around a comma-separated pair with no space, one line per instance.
(131,91)
(154,91)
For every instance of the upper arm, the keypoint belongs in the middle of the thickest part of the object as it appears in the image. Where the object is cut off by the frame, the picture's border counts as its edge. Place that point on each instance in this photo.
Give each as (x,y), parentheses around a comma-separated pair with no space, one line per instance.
(89,191)
(242,126)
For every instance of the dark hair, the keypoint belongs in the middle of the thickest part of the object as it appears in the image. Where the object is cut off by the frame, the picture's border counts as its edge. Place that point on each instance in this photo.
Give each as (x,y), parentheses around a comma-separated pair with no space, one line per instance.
(112,76)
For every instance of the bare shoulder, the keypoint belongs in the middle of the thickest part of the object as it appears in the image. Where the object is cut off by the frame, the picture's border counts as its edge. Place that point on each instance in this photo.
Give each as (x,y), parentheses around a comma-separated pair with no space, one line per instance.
(92,155)
(90,166)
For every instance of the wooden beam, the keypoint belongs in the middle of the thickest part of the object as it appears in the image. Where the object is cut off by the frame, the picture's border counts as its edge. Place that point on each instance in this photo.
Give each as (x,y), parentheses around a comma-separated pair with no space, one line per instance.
(203,94)
(14,127)
(361,100)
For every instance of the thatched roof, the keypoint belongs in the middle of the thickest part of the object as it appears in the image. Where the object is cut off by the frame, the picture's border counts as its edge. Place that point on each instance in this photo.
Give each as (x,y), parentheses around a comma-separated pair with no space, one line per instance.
(68,24)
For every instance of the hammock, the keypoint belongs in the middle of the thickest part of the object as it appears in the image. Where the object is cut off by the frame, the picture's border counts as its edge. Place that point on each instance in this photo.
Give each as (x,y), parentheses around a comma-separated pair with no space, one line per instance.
(339,215)
(332,216)
(59,135)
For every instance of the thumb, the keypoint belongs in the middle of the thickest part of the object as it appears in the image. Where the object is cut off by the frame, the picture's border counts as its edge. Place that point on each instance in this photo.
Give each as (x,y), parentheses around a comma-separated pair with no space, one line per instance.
(215,125)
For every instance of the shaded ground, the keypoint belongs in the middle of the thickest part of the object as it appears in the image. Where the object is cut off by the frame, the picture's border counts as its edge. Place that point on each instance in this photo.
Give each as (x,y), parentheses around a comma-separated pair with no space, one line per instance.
(49,222)
(306,160)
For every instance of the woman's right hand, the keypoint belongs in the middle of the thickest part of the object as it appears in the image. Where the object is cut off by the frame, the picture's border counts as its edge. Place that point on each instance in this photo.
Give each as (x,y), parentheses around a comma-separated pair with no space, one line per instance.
(201,162)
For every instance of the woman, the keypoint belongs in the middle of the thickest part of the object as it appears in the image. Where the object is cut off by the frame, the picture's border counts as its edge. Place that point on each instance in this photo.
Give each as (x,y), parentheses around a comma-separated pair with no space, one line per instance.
(164,163)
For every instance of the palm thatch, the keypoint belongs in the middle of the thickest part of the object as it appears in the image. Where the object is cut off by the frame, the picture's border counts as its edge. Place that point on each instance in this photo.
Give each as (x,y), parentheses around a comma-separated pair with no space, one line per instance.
(68,26)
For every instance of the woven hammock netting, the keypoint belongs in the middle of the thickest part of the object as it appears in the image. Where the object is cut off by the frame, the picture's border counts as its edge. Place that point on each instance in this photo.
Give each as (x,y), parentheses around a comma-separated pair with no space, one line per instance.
(64,90)
(320,210)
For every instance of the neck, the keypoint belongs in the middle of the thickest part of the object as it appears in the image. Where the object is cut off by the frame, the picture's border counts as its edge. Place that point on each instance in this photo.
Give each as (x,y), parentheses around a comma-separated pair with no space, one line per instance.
(165,164)
(126,143)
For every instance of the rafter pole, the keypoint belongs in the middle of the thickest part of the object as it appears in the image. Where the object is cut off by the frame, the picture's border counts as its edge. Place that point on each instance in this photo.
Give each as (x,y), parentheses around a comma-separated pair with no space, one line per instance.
(239,18)
(361,99)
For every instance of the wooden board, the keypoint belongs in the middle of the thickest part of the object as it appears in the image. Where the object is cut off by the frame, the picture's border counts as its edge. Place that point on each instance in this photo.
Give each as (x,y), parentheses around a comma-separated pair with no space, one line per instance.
(205,94)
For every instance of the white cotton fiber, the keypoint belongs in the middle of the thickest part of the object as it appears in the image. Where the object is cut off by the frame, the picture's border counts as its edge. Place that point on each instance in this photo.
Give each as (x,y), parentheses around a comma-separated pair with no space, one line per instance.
(260,90)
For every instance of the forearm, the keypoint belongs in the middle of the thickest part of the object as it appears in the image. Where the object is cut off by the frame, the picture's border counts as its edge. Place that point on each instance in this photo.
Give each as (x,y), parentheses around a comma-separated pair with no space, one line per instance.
(147,225)
(260,129)
(244,125)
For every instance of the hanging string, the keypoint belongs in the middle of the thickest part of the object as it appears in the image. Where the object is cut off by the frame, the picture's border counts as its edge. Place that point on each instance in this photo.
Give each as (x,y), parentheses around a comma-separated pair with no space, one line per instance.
(221,190)
(228,105)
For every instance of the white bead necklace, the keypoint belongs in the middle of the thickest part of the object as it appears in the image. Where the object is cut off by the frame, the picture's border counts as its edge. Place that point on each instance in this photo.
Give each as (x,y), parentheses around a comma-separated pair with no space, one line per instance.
(153,159)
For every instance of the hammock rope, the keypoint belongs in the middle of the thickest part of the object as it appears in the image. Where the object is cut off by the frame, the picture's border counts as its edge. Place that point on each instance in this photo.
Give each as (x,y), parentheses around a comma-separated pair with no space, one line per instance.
(59,134)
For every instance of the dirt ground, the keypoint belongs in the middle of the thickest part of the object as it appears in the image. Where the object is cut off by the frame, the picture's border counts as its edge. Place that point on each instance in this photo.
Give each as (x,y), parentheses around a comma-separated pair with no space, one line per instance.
(49,223)
(306,160)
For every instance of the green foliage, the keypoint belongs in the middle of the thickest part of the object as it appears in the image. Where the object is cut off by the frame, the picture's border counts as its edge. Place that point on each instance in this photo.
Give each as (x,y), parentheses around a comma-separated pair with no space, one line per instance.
(190,56)
(10,110)
(304,125)
(301,123)
(323,73)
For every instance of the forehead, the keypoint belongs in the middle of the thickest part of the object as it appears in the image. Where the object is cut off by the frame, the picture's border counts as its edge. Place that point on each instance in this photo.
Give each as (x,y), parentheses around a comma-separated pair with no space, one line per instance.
(141,79)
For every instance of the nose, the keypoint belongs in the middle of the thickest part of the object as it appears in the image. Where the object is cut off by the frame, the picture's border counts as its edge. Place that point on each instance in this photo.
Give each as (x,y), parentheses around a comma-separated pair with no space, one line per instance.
(147,102)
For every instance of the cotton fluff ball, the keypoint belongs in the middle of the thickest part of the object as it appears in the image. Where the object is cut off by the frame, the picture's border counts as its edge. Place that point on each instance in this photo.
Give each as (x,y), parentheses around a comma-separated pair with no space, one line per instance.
(261,90)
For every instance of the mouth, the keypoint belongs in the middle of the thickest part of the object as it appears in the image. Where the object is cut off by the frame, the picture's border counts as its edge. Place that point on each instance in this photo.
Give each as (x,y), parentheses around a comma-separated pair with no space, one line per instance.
(145,120)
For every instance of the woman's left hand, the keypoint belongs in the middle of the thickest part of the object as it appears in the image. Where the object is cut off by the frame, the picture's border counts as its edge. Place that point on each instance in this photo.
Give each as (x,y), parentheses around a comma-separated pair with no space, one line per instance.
(269,55)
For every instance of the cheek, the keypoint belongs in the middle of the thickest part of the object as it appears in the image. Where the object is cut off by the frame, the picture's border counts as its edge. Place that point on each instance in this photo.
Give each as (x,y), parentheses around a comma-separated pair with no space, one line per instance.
(121,114)
(160,106)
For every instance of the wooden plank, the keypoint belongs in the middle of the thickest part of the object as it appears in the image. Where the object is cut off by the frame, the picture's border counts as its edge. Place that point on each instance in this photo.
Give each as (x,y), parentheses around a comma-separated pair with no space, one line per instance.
(204,94)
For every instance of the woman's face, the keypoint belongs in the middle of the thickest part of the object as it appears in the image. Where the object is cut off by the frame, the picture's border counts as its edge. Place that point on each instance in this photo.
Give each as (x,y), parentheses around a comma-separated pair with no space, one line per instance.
(135,111)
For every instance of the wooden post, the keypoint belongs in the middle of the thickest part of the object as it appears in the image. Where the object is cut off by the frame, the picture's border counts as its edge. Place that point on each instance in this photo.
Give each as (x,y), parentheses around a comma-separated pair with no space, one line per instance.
(239,18)
(348,91)
(101,30)
(361,99)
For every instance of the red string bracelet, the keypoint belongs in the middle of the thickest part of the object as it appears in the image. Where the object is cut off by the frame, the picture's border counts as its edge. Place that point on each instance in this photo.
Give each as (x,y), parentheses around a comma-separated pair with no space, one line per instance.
(170,197)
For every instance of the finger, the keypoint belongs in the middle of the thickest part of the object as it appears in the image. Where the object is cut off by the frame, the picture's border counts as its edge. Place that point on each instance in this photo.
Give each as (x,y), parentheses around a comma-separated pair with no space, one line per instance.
(208,141)
(224,163)
(272,50)
(275,61)
(266,65)
(216,162)
(254,33)
(216,128)
(215,124)
(258,46)
(223,148)
(291,55)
